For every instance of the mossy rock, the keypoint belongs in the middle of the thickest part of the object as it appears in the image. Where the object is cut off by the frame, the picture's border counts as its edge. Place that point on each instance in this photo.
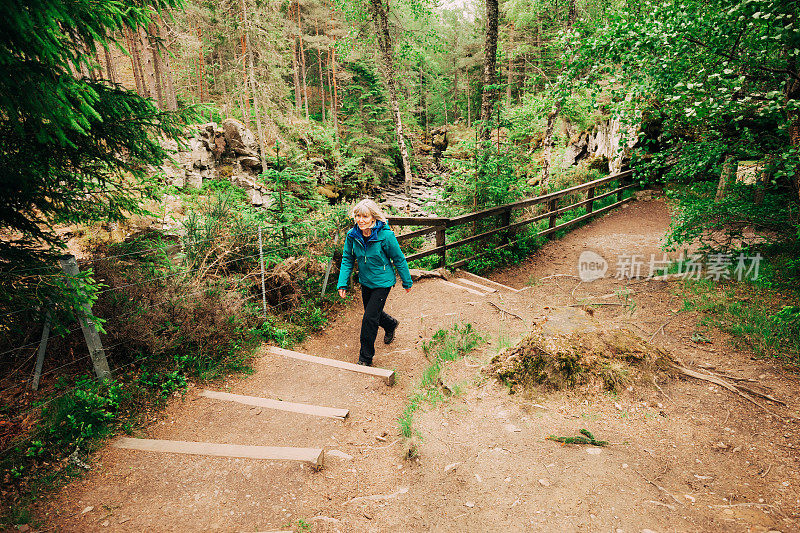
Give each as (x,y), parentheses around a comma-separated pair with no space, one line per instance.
(571,349)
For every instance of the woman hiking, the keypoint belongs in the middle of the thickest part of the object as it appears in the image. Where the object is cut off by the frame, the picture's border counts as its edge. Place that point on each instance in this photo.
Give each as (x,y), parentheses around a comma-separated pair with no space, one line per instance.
(373,245)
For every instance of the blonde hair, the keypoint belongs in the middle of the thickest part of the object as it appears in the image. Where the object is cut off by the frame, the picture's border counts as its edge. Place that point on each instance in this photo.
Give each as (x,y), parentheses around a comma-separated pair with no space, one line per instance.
(369,207)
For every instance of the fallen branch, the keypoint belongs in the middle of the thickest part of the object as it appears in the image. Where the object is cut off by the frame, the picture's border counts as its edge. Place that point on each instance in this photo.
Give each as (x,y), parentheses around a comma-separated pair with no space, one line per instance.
(377,497)
(505,311)
(595,303)
(661,328)
(659,487)
(722,383)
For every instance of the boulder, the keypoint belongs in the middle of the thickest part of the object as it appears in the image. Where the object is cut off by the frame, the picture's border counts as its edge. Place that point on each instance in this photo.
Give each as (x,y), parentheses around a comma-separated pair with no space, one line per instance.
(200,156)
(193,180)
(238,138)
(255,198)
(576,149)
(749,172)
(439,139)
(220,145)
(251,164)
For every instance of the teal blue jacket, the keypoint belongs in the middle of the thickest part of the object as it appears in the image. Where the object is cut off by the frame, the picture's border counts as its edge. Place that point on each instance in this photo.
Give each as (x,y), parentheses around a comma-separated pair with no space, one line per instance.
(375,256)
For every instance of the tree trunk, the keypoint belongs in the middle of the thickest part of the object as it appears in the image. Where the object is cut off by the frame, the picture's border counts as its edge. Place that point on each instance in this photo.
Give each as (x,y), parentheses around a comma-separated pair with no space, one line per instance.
(251,70)
(200,65)
(548,144)
(509,67)
(110,73)
(792,92)
(572,13)
(170,96)
(489,67)
(380,17)
(469,104)
(423,105)
(158,66)
(726,177)
(296,74)
(302,58)
(135,62)
(321,72)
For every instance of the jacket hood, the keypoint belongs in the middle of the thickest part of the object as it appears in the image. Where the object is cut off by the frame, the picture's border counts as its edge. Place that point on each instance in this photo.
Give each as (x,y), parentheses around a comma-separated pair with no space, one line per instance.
(376,229)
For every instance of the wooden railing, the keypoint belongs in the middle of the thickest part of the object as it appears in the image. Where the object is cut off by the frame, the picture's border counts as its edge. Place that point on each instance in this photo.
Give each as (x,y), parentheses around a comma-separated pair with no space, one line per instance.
(438,225)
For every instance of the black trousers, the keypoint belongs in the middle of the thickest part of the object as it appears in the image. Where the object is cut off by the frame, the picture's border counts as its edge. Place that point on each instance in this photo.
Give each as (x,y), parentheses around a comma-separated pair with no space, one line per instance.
(374,317)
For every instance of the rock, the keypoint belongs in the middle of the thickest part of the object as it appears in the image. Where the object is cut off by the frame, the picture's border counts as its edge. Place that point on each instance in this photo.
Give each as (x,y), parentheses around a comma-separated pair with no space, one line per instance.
(238,138)
(254,196)
(544,482)
(450,467)
(594,451)
(220,145)
(469,504)
(200,156)
(749,172)
(576,149)
(87,509)
(251,164)
(241,180)
(193,180)
(417,274)
(511,428)
(327,192)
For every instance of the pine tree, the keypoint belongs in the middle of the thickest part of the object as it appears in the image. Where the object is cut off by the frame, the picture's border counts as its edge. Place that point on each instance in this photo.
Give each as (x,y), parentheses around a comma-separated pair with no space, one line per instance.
(73,149)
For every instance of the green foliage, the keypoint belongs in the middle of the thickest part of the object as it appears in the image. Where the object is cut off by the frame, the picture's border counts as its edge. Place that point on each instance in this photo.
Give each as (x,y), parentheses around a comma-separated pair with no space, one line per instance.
(83,414)
(220,233)
(707,78)
(444,346)
(369,153)
(756,316)
(293,196)
(74,150)
(165,383)
(585,437)
(731,223)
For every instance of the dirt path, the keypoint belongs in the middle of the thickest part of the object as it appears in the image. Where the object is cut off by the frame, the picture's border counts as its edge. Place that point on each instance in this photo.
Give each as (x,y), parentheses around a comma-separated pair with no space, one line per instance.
(693,457)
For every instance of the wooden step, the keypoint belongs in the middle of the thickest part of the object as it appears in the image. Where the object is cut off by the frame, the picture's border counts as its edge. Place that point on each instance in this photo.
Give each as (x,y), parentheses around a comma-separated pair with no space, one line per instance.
(291,407)
(463,288)
(486,281)
(310,455)
(388,375)
(476,285)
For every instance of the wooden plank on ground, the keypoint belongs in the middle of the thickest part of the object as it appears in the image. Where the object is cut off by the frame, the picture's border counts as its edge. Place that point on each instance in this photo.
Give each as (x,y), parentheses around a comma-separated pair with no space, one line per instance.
(463,288)
(388,375)
(269,403)
(310,455)
(488,281)
(476,285)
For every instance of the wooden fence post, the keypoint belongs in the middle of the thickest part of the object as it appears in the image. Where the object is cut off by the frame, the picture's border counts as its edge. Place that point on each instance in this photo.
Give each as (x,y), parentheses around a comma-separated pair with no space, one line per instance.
(96,352)
(620,183)
(505,220)
(37,374)
(590,203)
(552,205)
(441,243)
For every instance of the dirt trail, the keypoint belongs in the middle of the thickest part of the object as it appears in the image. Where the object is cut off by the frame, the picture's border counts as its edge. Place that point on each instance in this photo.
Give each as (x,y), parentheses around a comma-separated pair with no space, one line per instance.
(691,458)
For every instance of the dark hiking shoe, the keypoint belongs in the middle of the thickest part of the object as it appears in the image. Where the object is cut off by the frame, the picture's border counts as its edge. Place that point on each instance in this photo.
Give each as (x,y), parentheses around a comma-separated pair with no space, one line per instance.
(364,363)
(389,337)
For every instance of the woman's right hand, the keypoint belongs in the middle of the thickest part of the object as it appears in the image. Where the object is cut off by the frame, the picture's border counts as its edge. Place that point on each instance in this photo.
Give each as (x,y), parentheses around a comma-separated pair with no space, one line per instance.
(342,293)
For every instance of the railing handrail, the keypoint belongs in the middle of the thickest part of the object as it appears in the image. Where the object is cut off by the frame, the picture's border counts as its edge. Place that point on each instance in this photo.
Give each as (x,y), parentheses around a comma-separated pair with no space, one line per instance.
(450,222)
(438,225)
